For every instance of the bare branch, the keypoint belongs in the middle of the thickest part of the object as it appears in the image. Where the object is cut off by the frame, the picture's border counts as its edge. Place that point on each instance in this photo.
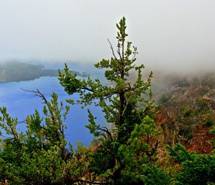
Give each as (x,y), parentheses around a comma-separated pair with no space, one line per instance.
(37,93)
(112,50)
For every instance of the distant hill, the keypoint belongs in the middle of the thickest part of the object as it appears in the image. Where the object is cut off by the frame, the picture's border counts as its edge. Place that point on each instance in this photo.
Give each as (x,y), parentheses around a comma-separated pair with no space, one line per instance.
(18,71)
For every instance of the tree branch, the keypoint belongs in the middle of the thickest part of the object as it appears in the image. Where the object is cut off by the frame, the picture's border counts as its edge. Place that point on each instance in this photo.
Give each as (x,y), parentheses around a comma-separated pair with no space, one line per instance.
(112,50)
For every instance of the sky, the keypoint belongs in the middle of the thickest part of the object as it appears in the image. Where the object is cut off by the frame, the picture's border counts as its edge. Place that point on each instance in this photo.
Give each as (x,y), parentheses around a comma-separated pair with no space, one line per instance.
(177,34)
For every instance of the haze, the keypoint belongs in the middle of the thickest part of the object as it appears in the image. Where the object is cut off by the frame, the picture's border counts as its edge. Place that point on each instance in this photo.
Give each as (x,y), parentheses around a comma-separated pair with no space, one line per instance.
(173,34)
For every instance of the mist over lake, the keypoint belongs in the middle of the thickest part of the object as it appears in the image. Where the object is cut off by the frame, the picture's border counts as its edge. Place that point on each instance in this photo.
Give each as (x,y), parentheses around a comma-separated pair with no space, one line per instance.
(21,103)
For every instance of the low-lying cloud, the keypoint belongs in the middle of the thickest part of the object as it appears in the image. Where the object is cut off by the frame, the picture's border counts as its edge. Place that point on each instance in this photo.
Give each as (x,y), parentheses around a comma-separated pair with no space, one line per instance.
(169,34)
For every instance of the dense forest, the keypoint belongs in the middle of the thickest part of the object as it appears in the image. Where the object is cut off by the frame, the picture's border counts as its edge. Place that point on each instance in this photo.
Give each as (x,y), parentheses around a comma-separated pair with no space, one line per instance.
(149,138)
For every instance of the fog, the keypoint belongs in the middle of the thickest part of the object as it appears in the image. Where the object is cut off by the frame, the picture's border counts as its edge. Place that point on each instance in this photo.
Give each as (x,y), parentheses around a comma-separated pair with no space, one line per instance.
(169,34)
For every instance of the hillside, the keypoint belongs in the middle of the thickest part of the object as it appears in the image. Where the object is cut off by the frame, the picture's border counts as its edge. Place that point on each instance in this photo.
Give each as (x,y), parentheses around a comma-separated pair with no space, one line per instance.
(19,71)
(186,110)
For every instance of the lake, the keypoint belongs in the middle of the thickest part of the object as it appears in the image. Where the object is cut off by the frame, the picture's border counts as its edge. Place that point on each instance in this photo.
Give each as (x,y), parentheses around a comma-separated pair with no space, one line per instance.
(20,104)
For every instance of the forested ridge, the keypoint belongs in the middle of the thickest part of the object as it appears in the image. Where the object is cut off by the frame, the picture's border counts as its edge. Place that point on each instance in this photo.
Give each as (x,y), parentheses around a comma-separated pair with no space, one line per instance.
(161,139)
(15,71)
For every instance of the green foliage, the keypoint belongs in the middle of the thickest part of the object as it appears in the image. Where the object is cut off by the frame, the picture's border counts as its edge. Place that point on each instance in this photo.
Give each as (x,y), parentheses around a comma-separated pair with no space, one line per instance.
(8,124)
(38,155)
(195,168)
(139,156)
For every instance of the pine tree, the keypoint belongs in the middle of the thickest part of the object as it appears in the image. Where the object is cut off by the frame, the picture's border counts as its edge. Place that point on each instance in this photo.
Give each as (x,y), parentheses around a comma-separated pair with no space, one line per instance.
(122,98)
(125,103)
(40,155)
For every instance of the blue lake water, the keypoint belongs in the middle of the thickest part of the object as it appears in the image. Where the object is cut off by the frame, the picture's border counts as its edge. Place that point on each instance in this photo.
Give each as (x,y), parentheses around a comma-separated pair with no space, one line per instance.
(20,104)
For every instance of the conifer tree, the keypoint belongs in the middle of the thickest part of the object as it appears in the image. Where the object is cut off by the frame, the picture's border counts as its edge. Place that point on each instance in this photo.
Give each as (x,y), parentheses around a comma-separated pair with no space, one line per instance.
(122,98)
(40,155)
(125,103)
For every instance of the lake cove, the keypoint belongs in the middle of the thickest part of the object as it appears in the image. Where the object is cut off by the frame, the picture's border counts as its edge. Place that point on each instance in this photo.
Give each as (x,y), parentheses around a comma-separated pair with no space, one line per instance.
(21,103)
